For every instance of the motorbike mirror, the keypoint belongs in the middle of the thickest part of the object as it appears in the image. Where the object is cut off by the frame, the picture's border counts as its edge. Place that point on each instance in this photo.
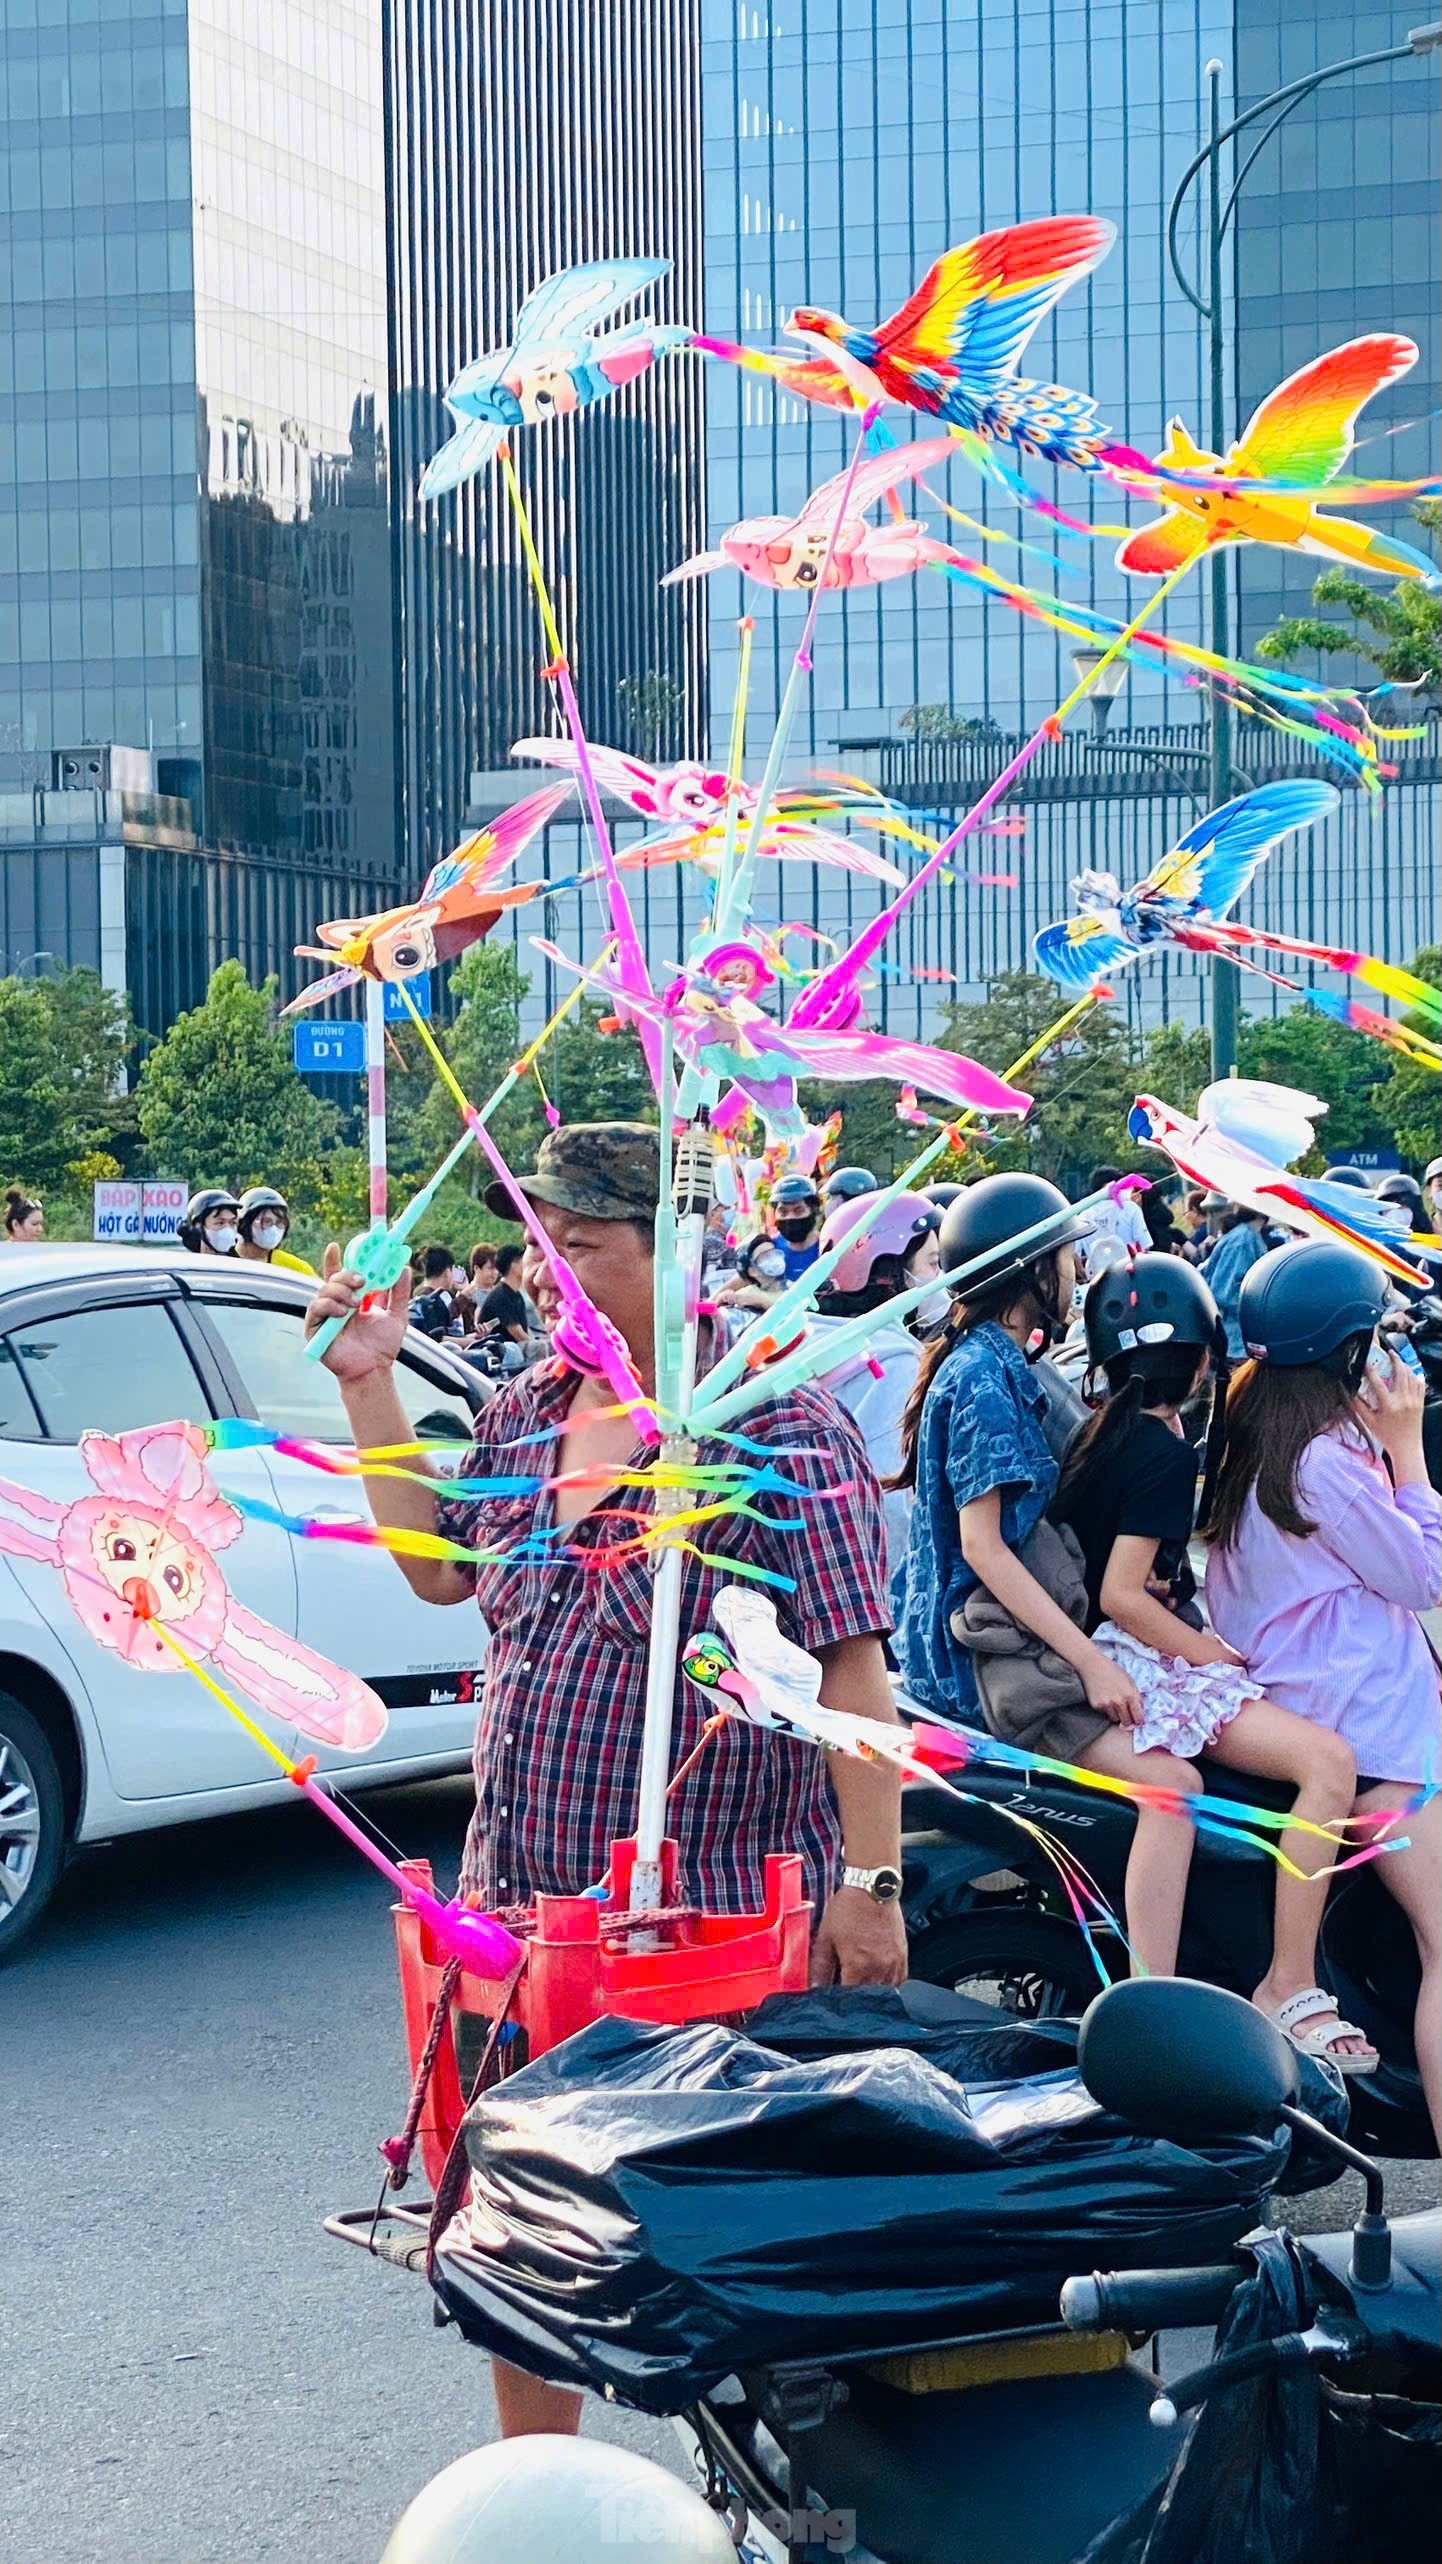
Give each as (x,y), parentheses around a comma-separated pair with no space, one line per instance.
(1178,2059)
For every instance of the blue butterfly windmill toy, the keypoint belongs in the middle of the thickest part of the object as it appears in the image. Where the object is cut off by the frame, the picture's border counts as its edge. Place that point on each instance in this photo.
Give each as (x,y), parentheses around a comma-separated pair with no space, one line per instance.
(1194,886)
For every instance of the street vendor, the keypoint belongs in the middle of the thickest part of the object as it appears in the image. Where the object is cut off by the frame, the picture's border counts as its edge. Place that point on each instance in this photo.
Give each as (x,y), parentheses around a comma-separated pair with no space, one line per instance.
(558,1739)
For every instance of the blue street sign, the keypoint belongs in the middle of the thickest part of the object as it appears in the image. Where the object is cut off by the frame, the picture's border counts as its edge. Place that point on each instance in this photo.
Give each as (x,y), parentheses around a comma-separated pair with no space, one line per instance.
(419,991)
(330,1050)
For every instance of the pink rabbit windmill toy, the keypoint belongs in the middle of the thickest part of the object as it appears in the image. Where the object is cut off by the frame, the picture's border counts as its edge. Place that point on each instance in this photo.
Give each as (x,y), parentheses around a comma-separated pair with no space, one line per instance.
(138,1563)
(138,1559)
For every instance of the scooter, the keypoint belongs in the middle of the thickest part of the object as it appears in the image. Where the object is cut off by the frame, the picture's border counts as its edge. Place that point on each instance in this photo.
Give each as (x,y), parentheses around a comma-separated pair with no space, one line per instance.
(1060,2447)
(986,1914)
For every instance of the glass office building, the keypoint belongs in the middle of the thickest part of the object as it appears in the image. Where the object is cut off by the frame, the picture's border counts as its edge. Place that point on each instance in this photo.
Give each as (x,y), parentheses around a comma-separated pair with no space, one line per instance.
(846,143)
(194,548)
(526,135)
(1338,234)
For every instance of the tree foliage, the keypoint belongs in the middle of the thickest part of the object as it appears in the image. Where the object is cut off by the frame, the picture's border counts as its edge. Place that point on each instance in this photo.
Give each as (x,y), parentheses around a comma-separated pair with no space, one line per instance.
(1396,630)
(1082,1090)
(219,1101)
(63,1043)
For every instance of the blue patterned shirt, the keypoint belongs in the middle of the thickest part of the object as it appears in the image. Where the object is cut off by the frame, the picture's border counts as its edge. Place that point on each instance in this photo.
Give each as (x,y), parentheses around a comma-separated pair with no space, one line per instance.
(981,1428)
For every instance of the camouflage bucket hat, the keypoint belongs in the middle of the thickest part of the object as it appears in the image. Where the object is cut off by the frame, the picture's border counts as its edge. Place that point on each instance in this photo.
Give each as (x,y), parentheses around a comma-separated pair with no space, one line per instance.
(599,1170)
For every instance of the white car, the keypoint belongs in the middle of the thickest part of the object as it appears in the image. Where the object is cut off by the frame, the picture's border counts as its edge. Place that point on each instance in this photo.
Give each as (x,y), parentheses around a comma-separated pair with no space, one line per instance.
(116,1337)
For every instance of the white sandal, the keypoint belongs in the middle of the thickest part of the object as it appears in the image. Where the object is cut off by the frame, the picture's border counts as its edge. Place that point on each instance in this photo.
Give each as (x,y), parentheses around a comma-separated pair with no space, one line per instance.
(1313,2024)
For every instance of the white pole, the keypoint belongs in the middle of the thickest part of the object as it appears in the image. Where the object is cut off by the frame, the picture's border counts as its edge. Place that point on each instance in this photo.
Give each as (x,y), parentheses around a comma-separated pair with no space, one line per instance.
(375,1022)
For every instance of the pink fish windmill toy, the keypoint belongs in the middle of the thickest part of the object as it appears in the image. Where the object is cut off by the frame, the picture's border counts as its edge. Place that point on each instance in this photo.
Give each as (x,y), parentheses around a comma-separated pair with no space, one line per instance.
(689,802)
(830,541)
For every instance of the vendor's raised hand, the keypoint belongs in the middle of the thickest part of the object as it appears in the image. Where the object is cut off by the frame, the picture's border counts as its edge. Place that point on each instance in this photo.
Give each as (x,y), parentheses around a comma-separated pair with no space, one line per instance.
(1109,1690)
(368,1343)
(859,1941)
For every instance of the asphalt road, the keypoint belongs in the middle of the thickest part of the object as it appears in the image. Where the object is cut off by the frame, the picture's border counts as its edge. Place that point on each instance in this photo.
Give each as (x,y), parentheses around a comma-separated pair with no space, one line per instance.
(200,2052)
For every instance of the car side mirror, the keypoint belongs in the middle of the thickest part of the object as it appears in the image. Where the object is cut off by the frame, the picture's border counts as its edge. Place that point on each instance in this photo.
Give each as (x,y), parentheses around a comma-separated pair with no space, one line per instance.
(1179,2059)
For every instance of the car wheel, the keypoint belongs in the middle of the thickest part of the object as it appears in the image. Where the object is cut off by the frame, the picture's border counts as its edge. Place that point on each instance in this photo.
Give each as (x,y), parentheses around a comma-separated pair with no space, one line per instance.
(32,1823)
(1032,1966)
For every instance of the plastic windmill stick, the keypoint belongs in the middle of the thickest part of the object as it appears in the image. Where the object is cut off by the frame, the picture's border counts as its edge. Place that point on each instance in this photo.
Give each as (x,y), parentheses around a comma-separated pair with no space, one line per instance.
(477,1940)
(375,1023)
(831,1001)
(735,761)
(822,1353)
(731,916)
(380,1254)
(680,1238)
(798,1296)
(581,1331)
(630,954)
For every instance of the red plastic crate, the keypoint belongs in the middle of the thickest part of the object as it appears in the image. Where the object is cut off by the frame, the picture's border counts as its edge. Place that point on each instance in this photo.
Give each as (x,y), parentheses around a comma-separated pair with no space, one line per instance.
(705,1966)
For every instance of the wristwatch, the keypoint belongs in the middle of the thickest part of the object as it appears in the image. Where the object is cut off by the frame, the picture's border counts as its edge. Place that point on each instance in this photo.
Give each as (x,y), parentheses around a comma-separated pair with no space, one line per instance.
(884,1883)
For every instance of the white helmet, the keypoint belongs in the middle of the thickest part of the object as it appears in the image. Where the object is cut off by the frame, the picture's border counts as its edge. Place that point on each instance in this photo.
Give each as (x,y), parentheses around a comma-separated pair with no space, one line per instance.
(553,2500)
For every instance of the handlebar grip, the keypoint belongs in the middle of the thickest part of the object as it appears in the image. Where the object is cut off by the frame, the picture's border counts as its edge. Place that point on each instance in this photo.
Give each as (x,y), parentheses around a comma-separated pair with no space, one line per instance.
(1149,2301)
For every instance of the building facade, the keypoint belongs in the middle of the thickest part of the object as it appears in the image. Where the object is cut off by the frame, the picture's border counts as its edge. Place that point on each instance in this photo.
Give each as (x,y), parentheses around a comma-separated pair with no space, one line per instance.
(523,137)
(194,549)
(846,143)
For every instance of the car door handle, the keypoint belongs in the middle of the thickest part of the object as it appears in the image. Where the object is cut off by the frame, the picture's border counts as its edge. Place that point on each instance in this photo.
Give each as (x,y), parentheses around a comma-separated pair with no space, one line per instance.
(336,1513)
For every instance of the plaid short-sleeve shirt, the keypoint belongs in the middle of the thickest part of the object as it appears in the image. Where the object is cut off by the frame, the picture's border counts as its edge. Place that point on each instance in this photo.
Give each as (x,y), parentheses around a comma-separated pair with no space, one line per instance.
(558,1739)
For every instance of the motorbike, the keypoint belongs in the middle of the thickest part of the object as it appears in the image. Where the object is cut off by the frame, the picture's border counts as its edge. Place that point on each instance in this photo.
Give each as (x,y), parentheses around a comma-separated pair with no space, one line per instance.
(1325,2350)
(884,2376)
(987,1916)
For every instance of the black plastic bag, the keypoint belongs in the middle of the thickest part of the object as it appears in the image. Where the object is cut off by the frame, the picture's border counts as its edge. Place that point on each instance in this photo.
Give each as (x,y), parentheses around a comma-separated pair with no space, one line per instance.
(655,2208)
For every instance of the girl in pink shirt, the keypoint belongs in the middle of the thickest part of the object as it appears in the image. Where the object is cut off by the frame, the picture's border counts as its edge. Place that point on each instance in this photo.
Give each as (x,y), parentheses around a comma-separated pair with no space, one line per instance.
(1327,1544)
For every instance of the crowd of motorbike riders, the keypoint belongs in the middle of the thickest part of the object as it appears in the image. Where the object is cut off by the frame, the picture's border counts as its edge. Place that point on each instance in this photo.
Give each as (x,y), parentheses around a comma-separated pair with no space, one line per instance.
(1041,1439)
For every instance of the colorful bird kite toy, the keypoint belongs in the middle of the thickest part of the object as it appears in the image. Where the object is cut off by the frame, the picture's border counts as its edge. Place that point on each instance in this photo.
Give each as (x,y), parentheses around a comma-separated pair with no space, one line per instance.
(457,905)
(1200,880)
(137,1559)
(554,365)
(689,803)
(1241,1143)
(1382,1028)
(824,545)
(1300,437)
(951,351)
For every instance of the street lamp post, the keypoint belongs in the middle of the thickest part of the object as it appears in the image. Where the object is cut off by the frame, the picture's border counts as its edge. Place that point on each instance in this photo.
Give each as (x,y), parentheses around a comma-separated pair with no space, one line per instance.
(1421,41)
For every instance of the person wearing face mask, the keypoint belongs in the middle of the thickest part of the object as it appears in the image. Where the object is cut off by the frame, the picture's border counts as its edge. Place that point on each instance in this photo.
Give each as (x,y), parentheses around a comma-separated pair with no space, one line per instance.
(1432,1193)
(895,1253)
(264,1224)
(796,1221)
(210,1223)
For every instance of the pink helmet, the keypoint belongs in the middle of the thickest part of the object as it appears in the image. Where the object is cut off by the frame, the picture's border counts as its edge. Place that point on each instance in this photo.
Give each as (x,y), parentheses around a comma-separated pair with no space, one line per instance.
(899,1228)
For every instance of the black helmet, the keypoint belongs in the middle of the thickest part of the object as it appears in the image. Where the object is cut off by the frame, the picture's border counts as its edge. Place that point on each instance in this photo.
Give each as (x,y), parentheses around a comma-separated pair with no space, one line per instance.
(1406,1191)
(191,1230)
(793,1188)
(261,1197)
(943,1195)
(989,1215)
(1159,1305)
(1352,1175)
(1302,1302)
(848,1183)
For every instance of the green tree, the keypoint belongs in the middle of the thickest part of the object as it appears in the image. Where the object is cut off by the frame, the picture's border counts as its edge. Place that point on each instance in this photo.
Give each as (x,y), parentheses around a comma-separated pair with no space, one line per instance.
(596,1076)
(1082,1090)
(1409,1100)
(63,1044)
(481,1043)
(652,704)
(219,1101)
(1176,1065)
(1396,630)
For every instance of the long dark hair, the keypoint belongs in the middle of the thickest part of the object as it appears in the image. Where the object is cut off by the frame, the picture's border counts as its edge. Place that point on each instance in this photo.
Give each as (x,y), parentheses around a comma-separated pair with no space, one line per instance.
(1160,1382)
(996,1303)
(1271,1418)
